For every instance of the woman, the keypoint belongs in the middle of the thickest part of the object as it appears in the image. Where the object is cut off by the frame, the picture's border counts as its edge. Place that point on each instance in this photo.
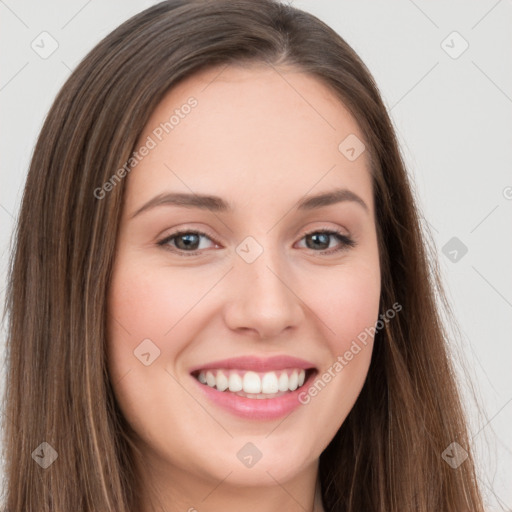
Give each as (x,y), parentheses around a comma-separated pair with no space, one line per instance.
(177,340)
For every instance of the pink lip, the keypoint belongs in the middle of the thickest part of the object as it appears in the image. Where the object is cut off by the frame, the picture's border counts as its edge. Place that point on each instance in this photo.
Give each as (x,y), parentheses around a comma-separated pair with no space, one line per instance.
(256,364)
(253,408)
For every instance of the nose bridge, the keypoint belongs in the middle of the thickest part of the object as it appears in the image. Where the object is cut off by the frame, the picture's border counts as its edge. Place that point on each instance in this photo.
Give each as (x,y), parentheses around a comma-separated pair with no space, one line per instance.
(266,277)
(263,297)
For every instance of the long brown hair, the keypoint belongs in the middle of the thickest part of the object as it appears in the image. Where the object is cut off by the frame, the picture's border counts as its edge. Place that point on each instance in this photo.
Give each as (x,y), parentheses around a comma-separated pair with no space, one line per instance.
(387,454)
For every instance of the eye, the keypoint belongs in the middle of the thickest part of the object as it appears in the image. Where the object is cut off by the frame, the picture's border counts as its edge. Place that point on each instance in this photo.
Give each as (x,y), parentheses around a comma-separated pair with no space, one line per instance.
(189,241)
(184,241)
(321,240)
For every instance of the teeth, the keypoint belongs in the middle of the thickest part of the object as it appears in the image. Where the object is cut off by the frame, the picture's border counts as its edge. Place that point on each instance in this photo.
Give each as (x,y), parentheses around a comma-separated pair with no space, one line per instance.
(235,382)
(221,381)
(210,379)
(293,381)
(269,383)
(253,384)
(283,382)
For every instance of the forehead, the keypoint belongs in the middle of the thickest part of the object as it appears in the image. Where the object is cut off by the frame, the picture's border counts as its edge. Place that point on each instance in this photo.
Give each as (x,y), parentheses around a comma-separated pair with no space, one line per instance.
(253,130)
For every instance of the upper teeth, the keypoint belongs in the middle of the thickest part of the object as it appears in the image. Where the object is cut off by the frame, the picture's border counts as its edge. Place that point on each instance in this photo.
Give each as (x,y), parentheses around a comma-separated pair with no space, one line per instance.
(253,382)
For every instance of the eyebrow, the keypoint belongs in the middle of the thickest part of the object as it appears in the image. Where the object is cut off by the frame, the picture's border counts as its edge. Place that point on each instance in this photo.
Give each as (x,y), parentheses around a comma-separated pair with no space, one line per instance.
(217,204)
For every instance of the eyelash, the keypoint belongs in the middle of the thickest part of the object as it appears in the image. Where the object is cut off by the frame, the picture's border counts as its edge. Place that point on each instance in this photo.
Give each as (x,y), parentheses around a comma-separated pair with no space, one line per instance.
(346,242)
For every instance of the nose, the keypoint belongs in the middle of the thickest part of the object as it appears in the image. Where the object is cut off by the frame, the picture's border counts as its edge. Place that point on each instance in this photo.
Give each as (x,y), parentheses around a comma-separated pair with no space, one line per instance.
(262,297)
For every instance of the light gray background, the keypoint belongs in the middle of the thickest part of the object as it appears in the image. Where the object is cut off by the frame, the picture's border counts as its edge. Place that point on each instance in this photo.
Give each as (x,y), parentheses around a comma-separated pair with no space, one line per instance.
(453,118)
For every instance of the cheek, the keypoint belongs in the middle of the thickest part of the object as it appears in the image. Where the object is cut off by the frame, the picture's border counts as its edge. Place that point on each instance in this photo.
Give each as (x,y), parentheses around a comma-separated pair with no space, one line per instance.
(357,307)
(348,312)
(140,308)
(147,315)
(351,307)
(146,302)
(155,310)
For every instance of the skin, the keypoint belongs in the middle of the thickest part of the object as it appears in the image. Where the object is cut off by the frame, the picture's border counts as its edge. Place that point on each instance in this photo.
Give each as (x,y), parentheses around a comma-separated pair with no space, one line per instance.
(261,138)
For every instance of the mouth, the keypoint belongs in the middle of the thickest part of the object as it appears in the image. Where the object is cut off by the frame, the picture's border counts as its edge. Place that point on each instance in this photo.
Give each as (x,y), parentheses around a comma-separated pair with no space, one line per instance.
(254,385)
(255,388)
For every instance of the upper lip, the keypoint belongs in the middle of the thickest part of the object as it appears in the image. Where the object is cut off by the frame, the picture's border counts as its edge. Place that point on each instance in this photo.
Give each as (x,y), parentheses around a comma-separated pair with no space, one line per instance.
(257,364)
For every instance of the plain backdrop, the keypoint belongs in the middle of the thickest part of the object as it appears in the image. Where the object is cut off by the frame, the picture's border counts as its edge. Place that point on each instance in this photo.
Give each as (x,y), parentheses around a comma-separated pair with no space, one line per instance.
(444,69)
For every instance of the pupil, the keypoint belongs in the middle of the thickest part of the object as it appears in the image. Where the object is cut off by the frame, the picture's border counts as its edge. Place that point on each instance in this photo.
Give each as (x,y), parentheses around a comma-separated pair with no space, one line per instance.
(187,241)
(324,235)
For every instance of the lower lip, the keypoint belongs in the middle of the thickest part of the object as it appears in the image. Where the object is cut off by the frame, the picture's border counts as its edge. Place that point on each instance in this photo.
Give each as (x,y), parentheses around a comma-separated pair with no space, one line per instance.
(254,408)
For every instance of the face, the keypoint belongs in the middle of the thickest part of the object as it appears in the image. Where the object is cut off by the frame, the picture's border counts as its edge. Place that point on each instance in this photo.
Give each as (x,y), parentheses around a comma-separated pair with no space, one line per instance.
(219,307)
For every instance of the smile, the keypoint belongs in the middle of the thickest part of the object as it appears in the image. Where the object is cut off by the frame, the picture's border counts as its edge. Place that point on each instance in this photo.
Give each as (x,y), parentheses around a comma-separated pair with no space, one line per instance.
(255,385)
(255,388)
